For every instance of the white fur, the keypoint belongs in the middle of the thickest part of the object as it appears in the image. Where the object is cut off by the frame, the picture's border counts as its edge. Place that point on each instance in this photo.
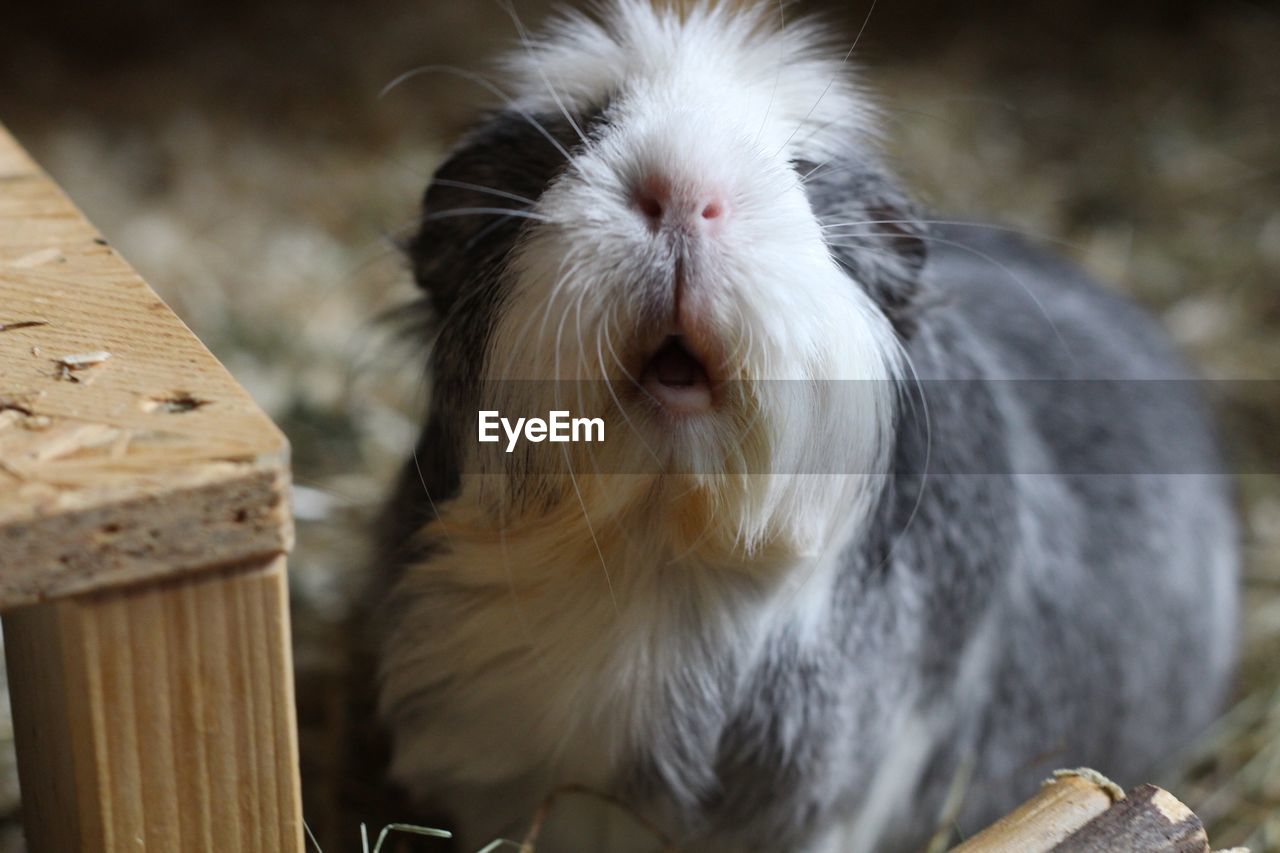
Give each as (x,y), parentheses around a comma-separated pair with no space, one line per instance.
(582,609)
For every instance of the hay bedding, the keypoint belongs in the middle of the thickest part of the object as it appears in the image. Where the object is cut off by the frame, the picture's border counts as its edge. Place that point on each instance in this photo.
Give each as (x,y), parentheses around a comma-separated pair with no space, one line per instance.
(249,171)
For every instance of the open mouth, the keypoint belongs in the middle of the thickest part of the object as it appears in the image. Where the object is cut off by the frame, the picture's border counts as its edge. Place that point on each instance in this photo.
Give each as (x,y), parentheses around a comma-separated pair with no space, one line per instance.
(677,378)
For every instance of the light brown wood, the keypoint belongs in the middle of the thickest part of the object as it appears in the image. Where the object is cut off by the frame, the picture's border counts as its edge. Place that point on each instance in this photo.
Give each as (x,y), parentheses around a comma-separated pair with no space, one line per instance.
(127,451)
(143,520)
(159,718)
(1149,819)
(1081,811)
(1061,806)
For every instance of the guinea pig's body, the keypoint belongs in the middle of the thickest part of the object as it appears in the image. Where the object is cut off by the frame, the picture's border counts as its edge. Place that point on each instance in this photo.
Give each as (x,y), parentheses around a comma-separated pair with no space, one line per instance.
(929,507)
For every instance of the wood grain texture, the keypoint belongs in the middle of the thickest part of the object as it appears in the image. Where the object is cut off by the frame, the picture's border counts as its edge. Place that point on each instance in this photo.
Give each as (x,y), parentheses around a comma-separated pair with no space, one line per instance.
(1059,808)
(126,450)
(1150,819)
(143,522)
(1081,811)
(159,718)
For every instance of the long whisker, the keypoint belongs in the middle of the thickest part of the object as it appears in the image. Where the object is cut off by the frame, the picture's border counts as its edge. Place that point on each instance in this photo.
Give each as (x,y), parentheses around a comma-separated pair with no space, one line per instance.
(635,383)
(826,164)
(959,223)
(430,501)
(463,185)
(561,283)
(591,529)
(484,232)
(437,330)
(521,615)
(604,337)
(567,266)
(484,211)
(582,367)
(479,80)
(564,317)
(454,312)
(782,27)
(831,82)
(826,127)
(994,262)
(510,9)
(581,383)
(396,235)
(586,516)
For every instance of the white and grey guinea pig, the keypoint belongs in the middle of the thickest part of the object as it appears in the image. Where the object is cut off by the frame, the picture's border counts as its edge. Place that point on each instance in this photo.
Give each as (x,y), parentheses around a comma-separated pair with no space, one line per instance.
(921,501)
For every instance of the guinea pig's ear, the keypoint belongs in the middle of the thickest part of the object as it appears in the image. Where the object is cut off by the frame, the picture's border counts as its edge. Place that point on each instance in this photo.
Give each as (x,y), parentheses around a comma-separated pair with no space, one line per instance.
(465,232)
(874,232)
(463,235)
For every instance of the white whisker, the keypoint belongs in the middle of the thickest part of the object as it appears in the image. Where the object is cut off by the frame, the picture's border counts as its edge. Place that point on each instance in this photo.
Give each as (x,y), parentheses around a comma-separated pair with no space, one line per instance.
(485,211)
(989,259)
(463,185)
(510,9)
(834,77)
(479,80)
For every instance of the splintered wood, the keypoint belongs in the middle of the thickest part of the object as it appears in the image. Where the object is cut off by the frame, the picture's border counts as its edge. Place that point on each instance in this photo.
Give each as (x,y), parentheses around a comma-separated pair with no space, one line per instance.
(126,450)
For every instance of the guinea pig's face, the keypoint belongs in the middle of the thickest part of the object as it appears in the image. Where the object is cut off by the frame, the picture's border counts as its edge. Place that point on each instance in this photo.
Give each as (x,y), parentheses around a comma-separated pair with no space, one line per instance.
(678,218)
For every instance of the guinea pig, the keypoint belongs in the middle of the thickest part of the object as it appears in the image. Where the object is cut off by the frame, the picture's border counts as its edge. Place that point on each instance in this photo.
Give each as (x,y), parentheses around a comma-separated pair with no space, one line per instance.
(888,507)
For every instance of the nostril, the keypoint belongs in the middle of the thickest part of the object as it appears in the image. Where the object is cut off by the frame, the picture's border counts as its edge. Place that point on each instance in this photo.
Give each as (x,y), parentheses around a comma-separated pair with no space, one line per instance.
(650,206)
(666,203)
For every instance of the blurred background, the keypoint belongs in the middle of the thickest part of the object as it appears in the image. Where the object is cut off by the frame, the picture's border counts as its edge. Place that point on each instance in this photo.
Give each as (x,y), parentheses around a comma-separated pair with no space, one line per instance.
(239,155)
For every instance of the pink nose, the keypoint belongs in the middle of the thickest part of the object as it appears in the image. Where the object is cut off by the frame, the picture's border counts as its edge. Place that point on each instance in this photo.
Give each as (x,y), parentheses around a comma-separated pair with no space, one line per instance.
(665,204)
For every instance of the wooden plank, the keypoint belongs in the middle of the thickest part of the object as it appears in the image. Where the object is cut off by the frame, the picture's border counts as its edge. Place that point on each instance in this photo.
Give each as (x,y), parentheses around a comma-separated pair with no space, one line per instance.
(127,451)
(143,522)
(159,717)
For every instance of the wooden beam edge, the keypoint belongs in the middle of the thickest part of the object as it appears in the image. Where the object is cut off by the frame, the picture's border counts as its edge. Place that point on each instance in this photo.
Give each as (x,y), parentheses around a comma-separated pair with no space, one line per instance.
(207,517)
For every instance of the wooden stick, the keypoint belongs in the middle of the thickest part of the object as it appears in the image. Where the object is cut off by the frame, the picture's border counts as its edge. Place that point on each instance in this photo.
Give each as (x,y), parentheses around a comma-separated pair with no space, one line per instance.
(1063,805)
(159,717)
(1149,819)
(1081,811)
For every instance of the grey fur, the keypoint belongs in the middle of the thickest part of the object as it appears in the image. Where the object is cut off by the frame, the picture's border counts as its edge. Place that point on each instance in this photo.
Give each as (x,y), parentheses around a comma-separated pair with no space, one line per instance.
(1108,600)
(992,619)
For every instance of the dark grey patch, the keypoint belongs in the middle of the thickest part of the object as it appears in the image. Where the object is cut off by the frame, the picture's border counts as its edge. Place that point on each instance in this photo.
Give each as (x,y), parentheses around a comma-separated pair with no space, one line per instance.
(459,261)
(872,229)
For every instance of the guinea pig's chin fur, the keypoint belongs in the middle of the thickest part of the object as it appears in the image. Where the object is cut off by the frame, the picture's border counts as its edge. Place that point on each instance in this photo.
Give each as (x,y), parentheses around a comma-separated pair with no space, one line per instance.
(790,449)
